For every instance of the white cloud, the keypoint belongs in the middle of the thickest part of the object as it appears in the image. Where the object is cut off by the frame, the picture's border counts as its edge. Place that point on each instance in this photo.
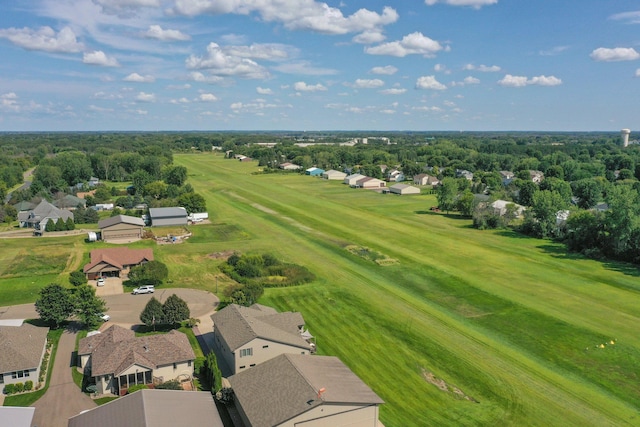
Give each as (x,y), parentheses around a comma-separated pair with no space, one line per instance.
(178,87)
(135,77)
(387,70)
(98,57)
(44,39)
(303,87)
(197,76)
(637,72)
(368,83)
(630,17)
(182,100)
(125,8)
(294,14)
(429,82)
(388,111)
(9,102)
(427,109)
(477,4)
(615,54)
(521,81)
(156,32)
(556,50)
(483,68)
(471,80)
(207,97)
(411,44)
(369,37)
(145,97)
(219,62)
(265,51)
(304,67)
(393,91)
(264,91)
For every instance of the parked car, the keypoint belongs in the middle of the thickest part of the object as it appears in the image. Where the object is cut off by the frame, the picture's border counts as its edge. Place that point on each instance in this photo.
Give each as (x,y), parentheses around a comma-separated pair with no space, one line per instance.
(104,317)
(148,289)
(100,282)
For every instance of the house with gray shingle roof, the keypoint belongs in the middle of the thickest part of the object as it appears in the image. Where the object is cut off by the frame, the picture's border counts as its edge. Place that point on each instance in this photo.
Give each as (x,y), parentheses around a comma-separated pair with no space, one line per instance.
(248,336)
(38,217)
(292,390)
(117,359)
(21,350)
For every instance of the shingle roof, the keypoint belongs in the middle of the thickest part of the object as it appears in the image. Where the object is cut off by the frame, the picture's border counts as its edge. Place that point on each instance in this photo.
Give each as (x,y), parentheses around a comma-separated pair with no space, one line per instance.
(119,219)
(167,212)
(22,347)
(153,408)
(118,257)
(239,325)
(44,210)
(288,385)
(119,349)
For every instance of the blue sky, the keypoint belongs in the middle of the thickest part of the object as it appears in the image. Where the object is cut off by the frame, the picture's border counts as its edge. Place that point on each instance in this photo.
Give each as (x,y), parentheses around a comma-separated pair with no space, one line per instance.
(569,65)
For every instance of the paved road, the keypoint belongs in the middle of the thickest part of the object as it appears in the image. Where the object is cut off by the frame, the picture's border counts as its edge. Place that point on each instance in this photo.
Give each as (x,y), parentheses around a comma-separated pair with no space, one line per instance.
(63,399)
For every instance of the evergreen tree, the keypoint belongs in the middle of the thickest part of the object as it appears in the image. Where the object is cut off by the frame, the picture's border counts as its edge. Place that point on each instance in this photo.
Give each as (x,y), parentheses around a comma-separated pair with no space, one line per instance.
(175,310)
(152,314)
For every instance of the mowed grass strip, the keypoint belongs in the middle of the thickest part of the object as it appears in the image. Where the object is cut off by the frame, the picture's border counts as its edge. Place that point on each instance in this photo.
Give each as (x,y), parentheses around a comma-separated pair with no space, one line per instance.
(311,218)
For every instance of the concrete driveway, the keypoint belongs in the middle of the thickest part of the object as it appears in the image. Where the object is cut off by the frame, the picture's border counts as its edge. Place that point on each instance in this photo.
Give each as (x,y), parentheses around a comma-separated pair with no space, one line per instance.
(112,286)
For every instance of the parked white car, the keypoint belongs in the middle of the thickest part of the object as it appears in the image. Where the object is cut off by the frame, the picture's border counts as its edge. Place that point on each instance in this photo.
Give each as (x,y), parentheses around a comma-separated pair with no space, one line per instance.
(148,289)
(100,281)
(104,317)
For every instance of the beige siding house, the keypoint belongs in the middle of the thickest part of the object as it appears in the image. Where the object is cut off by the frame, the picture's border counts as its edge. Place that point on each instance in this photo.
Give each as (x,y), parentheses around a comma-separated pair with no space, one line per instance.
(352,179)
(115,262)
(294,390)
(121,227)
(248,336)
(334,175)
(425,179)
(368,183)
(404,189)
(22,347)
(116,359)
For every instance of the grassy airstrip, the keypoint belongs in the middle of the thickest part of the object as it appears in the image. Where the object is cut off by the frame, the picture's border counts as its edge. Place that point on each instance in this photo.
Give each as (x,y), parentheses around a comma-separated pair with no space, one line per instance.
(462,327)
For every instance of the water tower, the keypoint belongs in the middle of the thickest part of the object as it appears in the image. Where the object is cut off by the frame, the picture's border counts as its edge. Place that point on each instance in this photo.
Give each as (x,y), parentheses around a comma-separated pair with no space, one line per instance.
(624,135)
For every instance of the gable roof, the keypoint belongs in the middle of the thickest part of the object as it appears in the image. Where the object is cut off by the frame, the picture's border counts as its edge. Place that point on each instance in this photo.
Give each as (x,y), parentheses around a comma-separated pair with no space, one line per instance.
(69,201)
(119,349)
(118,257)
(289,385)
(42,211)
(153,408)
(167,212)
(22,347)
(239,325)
(120,219)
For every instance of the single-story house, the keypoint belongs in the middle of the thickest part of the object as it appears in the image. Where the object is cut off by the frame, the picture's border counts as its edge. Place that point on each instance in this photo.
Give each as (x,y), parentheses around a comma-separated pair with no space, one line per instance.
(115,262)
(116,359)
(536,176)
(22,348)
(248,336)
(121,227)
(295,390)
(38,217)
(334,175)
(395,175)
(289,166)
(351,180)
(168,216)
(462,173)
(425,179)
(507,177)
(368,182)
(153,408)
(500,207)
(404,189)
(70,202)
(16,416)
(314,171)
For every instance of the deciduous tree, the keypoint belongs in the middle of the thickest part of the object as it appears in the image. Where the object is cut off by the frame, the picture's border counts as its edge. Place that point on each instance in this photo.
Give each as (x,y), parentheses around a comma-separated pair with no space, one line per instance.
(55,304)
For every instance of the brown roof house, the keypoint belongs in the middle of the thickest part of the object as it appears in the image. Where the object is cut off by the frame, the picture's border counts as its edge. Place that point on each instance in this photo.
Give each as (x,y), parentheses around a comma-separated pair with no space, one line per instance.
(248,336)
(294,390)
(153,408)
(22,346)
(116,359)
(115,262)
(121,227)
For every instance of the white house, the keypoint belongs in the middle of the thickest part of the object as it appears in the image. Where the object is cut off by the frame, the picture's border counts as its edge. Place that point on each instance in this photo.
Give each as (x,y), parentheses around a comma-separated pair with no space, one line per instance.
(22,347)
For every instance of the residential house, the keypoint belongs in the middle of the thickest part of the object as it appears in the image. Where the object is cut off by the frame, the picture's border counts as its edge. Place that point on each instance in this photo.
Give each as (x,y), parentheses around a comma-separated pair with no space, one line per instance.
(314,171)
(425,179)
(24,206)
(16,416)
(121,227)
(561,217)
(369,183)
(22,348)
(507,177)
(536,176)
(462,173)
(168,216)
(70,202)
(38,217)
(153,408)
(116,359)
(395,175)
(500,207)
(404,189)
(295,390)
(289,166)
(115,262)
(248,336)
(351,180)
(333,174)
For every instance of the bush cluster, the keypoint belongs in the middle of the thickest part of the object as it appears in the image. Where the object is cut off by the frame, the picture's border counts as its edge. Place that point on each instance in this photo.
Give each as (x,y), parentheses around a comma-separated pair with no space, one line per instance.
(265,270)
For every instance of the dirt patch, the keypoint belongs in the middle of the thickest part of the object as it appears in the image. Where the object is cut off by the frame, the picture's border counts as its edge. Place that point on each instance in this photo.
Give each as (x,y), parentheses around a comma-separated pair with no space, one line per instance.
(371,255)
(221,255)
(447,388)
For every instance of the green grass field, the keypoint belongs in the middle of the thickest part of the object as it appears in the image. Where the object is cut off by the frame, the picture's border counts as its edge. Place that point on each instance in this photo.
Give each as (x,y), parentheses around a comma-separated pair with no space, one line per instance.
(509,327)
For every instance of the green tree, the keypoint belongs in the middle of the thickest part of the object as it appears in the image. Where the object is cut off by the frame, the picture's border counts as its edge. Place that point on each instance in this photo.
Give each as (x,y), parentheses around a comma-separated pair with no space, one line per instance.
(175,310)
(70,225)
(466,203)
(10,213)
(77,278)
(152,314)
(446,194)
(60,225)
(55,304)
(588,191)
(620,219)
(175,175)
(546,205)
(192,202)
(50,226)
(139,179)
(149,273)
(87,305)
(527,189)
(155,189)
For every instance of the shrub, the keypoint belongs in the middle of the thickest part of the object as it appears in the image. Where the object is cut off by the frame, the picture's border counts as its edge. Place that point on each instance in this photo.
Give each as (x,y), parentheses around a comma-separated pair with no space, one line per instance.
(136,387)
(9,389)
(19,387)
(28,385)
(170,385)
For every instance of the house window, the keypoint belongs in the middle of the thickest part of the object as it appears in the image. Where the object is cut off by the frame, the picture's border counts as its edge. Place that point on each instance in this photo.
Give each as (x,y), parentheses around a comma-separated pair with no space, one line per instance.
(265,346)
(175,366)
(242,367)
(26,373)
(246,352)
(1,378)
(189,363)
(20,374)
(252,365)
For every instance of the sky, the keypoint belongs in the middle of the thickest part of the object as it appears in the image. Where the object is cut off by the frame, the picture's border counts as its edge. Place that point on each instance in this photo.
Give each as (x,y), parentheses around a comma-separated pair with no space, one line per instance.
(308,65)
